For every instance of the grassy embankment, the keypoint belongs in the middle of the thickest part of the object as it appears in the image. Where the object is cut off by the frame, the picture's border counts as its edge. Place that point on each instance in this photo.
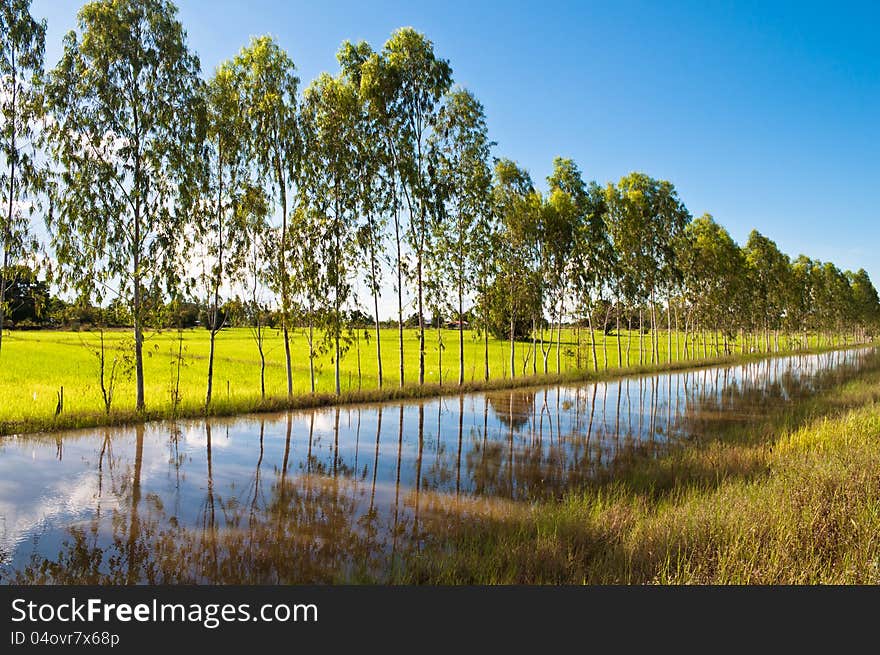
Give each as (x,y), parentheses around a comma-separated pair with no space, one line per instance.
(35,365)
(789,496)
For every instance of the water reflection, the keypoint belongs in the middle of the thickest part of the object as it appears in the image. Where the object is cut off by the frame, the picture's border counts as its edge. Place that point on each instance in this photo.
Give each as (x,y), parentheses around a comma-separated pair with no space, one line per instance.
(341,494)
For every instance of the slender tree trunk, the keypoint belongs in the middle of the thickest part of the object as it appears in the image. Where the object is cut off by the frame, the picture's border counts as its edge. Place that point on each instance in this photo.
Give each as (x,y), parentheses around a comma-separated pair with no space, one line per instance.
(378,336)
(138,319)
(593,340)
(311,346)
(421,321)
(641,339)
(262,368)
(285,284)
(213,335)
(655,355)
(13,160)
(439,349)
(617,334)
(215,309)
(677,335)
(512,360)
(484,317)
(460,329)
(373,284)
(337,328)
(399,288)
(558,338)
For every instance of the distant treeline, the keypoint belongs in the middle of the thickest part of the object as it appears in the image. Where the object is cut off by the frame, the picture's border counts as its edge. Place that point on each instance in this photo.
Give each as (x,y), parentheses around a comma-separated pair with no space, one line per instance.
(161,189)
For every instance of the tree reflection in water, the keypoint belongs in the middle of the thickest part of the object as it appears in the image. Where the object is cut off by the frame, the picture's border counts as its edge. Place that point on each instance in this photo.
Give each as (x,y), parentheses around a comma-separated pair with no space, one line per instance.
(298,502)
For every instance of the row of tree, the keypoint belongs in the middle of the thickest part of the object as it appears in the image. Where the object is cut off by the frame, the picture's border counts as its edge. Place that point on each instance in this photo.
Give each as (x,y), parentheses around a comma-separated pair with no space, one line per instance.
(155,182)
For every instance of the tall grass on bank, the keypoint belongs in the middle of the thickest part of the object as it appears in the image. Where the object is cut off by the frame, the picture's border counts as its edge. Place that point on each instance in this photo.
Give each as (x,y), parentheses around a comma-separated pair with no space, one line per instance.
(792,498)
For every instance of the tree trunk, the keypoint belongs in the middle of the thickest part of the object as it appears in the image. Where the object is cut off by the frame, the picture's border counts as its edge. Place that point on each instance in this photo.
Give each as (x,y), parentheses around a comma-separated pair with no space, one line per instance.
(641,339)
(373,283)
(512,360)
(421,321)
(138,318)
(485,338)
(399,289)
(558,339)
(439,349)
(285,288)
(311,347)
(460,331)
(210,367)
(262,370)
(593,340)
(215,309)
(337,328)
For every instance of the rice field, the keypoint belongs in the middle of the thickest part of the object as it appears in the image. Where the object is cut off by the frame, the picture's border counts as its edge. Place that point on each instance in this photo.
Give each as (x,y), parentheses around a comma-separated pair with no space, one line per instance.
(36,365)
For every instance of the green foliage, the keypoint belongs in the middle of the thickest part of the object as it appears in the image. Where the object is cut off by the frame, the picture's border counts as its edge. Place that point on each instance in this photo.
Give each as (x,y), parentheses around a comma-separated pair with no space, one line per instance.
(22,177)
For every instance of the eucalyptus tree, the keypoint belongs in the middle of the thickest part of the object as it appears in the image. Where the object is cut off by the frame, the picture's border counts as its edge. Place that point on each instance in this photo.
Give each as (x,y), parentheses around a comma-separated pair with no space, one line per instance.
(646,217)
(485,233)
(330,120)
(801,306)
(866,301)
(227,195)
(768,278)
(713,270)
(593,259)
(517,204)
(122,99)
(255,273)
(376,90)
(672,218)
(833,300)
(461,148)
(376,186)
(568,204)
(21,178)
(405,84)
(309,273)
(629,225)
(269,83)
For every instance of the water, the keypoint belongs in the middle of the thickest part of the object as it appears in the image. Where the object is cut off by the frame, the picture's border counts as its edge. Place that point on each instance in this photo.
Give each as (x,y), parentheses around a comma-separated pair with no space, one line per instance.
(341,494)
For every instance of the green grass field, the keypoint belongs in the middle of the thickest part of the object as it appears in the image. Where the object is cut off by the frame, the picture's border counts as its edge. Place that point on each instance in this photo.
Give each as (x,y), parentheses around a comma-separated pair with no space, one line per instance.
(36,364)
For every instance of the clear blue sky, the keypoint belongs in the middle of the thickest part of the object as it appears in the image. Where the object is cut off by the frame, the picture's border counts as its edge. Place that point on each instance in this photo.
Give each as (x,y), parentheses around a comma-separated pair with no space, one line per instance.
(763,114)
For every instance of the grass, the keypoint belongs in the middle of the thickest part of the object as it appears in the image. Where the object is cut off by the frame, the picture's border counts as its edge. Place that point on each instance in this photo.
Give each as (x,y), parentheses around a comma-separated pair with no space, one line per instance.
(36,364)
(791,497)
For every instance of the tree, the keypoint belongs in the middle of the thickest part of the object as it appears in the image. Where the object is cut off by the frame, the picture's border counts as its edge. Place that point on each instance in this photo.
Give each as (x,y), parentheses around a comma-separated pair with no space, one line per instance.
(460,147)
(122,98)
(255,273)
(866,301)
(646,218)
(714,275)
(593,260)
(405,84)
(517,205)
(567,209)
(270,88)
(330,116)
(27,297)
(768,272)
(376,185)
(21,69)
(226,196)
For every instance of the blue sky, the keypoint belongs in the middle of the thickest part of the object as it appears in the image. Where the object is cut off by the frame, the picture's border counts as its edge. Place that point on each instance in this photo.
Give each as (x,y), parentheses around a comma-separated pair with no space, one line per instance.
(763,114)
